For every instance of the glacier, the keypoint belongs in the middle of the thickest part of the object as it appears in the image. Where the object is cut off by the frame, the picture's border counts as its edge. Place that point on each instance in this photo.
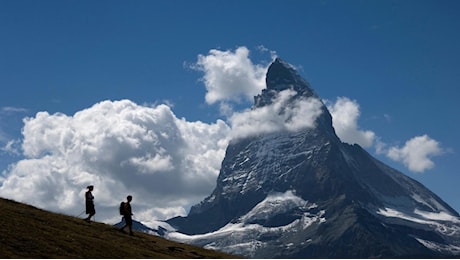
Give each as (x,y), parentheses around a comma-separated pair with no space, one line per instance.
(249,232)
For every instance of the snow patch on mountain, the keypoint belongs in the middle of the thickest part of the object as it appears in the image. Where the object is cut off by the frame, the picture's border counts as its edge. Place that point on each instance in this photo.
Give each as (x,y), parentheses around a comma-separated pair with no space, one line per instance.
(443,222)
(443,248)
(275,204)
(431,203)
(424,216)
(248,233)
(437,216)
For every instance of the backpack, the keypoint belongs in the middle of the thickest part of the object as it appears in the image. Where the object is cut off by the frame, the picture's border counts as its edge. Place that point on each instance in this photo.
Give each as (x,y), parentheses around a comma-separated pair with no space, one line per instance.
(122,208)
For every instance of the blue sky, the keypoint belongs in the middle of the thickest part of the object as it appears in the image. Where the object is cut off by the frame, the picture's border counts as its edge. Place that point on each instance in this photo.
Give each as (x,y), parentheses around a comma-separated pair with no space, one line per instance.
(388,69)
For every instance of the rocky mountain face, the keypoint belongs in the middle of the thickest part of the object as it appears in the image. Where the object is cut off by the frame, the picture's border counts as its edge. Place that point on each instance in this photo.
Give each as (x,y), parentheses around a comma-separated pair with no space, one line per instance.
(306,194)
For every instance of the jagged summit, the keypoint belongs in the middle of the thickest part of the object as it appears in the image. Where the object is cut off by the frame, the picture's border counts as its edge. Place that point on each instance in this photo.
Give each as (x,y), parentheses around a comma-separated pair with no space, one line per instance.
(282,76)
(306,194)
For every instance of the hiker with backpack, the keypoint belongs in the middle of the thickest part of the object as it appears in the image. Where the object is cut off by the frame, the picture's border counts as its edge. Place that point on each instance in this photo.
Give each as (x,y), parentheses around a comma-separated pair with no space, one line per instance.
(125,210)
(89,202)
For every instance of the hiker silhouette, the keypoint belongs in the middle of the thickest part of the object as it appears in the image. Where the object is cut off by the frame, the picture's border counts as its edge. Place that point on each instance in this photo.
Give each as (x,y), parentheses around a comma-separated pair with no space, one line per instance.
(89,202)
(125,210)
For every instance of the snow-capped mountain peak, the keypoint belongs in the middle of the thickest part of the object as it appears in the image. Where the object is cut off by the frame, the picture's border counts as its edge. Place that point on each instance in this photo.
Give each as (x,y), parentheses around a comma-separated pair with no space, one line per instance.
(302,192)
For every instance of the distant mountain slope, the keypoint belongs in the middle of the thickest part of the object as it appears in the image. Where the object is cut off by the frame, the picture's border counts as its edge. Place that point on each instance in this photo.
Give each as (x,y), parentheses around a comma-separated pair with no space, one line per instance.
(29,232)
(303,193)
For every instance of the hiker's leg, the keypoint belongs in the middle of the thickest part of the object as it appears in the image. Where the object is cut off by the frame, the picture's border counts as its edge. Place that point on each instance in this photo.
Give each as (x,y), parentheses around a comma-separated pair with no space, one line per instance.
(88,219)
(122,229)
(131,229)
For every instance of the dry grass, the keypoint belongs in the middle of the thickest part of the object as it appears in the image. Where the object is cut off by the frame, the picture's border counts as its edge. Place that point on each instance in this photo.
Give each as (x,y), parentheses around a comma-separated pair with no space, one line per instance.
(29,232)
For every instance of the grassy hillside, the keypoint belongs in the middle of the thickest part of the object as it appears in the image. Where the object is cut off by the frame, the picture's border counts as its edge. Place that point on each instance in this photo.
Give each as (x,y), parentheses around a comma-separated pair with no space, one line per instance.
(29,232)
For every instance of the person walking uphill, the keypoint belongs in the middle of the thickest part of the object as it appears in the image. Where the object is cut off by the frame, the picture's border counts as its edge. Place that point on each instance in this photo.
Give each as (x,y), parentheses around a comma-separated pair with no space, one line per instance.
(89,202)
(125,210)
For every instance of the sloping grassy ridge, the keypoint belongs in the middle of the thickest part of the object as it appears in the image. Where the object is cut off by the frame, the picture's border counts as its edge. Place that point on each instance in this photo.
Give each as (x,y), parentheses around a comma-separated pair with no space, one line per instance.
(29,232)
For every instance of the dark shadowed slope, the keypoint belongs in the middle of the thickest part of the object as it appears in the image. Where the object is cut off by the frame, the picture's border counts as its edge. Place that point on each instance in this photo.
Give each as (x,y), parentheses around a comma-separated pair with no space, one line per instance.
(29,232)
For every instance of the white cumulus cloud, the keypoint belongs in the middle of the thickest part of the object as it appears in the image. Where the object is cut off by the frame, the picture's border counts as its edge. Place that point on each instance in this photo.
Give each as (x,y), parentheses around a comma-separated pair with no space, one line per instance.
(280,115)
(416,153)
(121,148)
(230,75)
(345,114)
